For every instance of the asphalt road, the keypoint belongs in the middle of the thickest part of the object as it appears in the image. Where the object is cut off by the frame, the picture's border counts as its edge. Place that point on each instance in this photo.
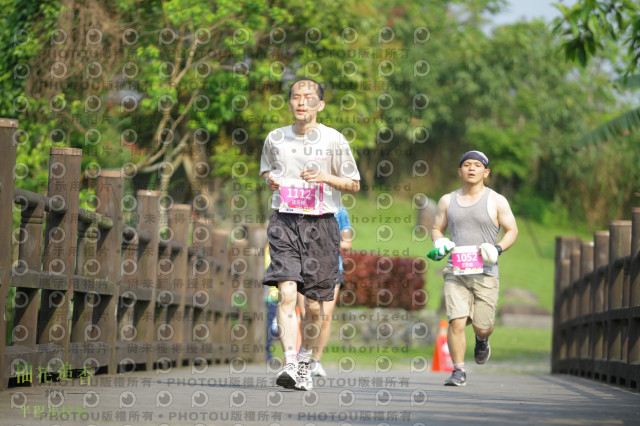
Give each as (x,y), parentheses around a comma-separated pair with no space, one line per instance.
(247,395)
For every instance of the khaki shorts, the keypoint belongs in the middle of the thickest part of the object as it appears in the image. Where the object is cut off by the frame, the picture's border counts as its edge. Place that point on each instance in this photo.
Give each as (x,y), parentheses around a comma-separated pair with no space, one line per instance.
(472,296)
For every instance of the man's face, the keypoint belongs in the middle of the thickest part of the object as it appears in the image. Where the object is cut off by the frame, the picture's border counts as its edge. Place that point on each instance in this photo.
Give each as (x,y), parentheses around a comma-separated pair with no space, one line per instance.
(472,171)
(305,103)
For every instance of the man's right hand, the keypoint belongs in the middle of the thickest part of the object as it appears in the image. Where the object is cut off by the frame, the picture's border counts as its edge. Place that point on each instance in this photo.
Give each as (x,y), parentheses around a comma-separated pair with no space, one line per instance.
(441,247)
(271,183)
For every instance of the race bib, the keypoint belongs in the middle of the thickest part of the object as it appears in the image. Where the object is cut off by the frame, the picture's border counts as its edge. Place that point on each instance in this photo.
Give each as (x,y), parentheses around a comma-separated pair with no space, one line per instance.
(466,260)
(298,196)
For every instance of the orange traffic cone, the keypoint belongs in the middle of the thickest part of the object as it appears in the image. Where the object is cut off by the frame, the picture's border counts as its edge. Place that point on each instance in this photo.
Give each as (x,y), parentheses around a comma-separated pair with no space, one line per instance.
(441,356)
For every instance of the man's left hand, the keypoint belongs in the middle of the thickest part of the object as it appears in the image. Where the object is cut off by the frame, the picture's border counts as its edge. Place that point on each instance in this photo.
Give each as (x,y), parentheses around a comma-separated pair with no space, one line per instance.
(489,253)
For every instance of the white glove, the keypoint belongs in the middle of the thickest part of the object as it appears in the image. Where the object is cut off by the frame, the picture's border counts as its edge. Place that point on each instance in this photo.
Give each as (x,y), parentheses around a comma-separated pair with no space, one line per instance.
(489,253)
(444,242)
(442,247)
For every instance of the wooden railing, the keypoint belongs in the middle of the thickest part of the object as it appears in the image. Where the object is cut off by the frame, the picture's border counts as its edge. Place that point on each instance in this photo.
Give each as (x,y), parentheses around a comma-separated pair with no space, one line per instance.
(95,294)
(596,331)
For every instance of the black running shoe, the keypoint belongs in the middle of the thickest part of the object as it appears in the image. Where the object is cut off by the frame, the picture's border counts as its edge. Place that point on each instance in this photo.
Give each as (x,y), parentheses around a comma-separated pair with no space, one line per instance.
(482,351)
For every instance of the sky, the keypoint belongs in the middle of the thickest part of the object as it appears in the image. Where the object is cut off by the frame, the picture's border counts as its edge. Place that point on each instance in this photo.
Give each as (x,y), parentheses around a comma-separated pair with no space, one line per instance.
(528,10)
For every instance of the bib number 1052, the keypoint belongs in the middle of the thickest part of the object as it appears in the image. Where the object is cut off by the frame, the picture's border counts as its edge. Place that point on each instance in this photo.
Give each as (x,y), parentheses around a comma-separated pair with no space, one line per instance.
(467,257)
(466,260)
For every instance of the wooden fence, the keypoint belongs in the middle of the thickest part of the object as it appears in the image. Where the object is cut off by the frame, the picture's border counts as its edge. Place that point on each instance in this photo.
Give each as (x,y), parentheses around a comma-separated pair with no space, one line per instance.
(95,294)
(596,331)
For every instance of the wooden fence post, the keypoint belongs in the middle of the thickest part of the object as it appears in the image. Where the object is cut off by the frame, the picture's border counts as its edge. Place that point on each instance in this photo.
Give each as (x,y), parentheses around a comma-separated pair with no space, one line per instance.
(109,191)
(564,247)
(8,146)
(202,269)
(60,249)
(600,262)
(598,288)
(165,309)
(179,219)
(617,329)
(634,301)
(585,364)
(30,258)
(84,333)
(148,219)
(221,299)
(256,291)
(619,246)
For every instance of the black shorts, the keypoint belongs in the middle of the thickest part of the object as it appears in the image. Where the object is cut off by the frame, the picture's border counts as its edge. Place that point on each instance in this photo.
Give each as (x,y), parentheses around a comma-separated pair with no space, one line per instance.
(304,249)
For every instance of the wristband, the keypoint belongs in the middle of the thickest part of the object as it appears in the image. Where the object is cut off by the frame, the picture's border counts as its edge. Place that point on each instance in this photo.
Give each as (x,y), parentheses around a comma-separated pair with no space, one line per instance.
(266,181)
(499,249)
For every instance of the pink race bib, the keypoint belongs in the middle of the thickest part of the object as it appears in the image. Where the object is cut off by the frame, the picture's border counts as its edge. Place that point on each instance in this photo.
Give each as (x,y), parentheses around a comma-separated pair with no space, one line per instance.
(466,260)
(298,196)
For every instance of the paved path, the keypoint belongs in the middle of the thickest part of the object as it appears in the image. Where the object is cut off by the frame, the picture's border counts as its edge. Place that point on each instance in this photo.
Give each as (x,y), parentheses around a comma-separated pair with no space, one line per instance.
(228,395)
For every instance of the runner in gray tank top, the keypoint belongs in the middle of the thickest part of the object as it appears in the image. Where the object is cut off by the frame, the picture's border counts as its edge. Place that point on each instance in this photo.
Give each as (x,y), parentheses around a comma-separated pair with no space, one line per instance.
(473,214)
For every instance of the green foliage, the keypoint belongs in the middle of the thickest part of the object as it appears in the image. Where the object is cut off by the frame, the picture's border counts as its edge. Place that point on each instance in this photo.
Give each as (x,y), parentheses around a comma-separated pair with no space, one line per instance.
(510,145)
(25,24)
(622,125)
(532,207)
(589,23)
(405,83)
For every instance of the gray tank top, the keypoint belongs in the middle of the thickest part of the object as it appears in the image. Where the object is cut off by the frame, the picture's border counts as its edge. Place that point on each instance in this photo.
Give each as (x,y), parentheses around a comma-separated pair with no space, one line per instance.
(472,226)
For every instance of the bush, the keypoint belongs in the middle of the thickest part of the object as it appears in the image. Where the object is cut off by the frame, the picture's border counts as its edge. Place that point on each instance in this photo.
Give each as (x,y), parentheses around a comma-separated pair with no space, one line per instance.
(381,281)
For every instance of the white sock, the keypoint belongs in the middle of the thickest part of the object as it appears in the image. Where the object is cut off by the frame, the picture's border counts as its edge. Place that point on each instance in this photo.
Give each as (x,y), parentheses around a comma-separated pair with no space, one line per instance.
(290,357)
(459,366)
(304,355)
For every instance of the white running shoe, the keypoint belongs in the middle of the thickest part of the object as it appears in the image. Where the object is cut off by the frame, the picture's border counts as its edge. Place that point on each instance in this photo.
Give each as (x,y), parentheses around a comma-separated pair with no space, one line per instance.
(303,379)
(316,369)
(287,376)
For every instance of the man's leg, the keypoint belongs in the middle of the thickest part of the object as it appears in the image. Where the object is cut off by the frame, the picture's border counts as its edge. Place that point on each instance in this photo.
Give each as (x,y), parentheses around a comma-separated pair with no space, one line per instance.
(272,309)
(456,340)
(325,329)
(484,310)
(482,350)
(289,332)
(287,315)
(301,305)
(311,322)
(457,347)
(310,328)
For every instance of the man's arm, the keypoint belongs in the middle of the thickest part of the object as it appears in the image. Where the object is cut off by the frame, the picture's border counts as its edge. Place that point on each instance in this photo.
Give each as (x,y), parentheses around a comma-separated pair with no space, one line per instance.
(507,221)
(266,161)
(440,223)
(342,184)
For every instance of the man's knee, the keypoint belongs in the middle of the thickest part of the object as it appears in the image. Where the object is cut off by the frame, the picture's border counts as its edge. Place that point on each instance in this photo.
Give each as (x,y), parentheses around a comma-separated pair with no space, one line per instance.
(313,309)
(458,325)
(288,294)
(484,333)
